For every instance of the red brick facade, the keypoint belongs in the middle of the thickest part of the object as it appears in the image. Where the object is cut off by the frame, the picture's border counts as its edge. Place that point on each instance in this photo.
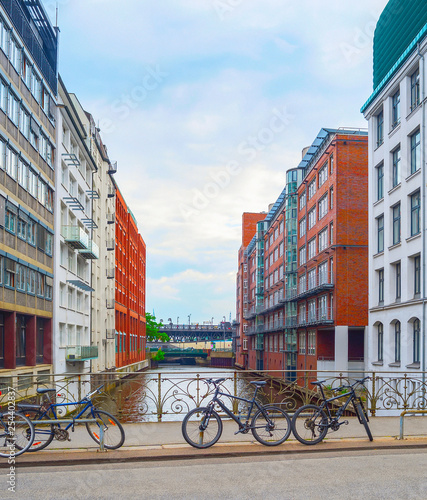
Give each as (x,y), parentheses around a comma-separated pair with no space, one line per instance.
(130,287)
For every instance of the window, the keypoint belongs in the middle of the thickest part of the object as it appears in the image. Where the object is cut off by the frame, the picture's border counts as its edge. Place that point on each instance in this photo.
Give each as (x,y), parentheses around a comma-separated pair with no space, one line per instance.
(331,197)
(395,109)
(302,316)
(10,221)
(397,342)
(331,227)
(312,218)
(311,189)
(15,53)
(380,330)
(23,174)
(302,227)
(380,234)
(311,278)
(302,256)
(49,243)
(312,248)
(21,278)
(398,280)
(323,206)
(381,286)
(311,316)
(323,239)
(12,163)
(31,281)
(380,181)
(323,273)
(9,275)
(396,167)
(331,164)
(302,200)
(311,344)
(416,340)
(24,123)
(323,175)
(380,128)
(302,343)
(417,276)
(323,307)
(415,152)
(415,89)
(415,213)
(396,224)
(302,283)
(13,108)
(22,229)
(31,236)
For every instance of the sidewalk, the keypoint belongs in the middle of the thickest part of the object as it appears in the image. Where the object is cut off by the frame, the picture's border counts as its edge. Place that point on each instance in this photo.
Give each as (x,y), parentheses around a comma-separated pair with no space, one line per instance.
(164,441)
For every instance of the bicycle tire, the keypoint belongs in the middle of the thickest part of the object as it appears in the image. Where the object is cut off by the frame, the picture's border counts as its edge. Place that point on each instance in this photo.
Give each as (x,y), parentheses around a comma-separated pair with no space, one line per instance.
(42,437)
(16,434)
(363,421)
(306,421)
(273,430)
(191,428)
(114,434)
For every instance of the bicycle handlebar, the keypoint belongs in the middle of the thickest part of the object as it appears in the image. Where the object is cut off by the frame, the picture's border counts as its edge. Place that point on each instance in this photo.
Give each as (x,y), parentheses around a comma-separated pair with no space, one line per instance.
(215,382)
(351,386)
(91,394)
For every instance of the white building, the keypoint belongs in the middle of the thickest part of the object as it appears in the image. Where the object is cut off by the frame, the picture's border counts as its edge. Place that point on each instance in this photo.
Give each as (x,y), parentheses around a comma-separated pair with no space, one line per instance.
(103,269)
(74,246)
(397,183)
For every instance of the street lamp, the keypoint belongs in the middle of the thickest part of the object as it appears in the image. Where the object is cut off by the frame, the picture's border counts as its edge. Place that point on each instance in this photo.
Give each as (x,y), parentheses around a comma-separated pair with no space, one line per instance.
(212,320)
(177,320)
(189,316)
(223,329)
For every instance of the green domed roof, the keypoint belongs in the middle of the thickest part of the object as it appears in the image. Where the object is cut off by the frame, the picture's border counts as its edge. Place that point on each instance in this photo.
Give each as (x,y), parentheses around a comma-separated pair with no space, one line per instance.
(398,25)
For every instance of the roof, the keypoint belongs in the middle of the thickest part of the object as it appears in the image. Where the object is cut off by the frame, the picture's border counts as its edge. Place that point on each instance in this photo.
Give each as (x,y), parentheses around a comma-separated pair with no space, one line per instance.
(396,37)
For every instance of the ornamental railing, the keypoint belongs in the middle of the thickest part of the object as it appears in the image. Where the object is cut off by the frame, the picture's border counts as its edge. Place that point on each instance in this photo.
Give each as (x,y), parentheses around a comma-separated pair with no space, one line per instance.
(164,396)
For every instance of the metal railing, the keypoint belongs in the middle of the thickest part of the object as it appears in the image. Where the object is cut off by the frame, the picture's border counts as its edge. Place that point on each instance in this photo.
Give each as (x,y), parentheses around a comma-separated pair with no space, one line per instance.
(151,396)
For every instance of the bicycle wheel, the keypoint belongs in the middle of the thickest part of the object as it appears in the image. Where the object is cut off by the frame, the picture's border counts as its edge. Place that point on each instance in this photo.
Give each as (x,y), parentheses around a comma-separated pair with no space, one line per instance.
(114,434)
(362,419)
(16,434)
(310,424)
(192,429)
(43,433)
(271,426)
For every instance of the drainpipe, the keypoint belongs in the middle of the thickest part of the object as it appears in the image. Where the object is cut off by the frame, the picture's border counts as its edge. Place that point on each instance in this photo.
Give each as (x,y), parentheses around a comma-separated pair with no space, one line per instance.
(423,207)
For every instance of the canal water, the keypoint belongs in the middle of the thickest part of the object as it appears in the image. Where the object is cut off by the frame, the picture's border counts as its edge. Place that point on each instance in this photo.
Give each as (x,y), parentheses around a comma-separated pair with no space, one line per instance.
(169,392)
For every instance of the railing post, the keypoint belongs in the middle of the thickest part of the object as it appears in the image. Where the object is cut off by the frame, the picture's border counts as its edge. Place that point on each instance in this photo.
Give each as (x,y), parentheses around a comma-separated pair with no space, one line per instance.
(198,390)
(80,387)
(373,397)
(159,404)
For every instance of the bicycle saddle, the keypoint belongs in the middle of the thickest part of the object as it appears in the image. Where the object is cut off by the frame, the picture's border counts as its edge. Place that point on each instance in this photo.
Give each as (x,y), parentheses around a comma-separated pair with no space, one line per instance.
(44,391)
(318,382)
(258,382)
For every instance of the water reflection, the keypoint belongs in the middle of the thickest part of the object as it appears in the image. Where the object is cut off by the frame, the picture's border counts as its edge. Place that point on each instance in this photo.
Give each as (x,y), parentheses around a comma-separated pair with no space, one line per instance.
(172,390)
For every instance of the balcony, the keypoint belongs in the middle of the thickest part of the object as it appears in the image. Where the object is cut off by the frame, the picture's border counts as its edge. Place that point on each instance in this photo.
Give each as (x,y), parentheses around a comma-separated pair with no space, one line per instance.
(111,193)
(317,317)
(314,286)
(110,303)
(111,245)
(111,218)
(91,252)
(112,168)
(81,352)
(276,326)
(110,273)
(110,334)
(75,236)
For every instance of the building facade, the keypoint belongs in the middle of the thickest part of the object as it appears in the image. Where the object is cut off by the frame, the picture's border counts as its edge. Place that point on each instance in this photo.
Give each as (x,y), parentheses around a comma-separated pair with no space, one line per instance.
(130,333)
(396,116)
(28,92)
(74,246)
(331,295)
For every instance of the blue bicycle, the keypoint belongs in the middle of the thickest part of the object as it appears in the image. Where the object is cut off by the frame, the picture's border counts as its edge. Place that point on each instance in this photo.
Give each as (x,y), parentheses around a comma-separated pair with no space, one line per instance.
(114,434)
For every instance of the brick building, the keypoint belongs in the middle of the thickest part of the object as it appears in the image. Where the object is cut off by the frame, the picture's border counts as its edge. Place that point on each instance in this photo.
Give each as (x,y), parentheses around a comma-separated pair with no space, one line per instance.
(332,289)
(130,289)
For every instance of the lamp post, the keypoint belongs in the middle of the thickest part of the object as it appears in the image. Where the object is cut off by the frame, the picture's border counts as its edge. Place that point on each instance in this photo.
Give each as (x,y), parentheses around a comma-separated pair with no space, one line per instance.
(223,329)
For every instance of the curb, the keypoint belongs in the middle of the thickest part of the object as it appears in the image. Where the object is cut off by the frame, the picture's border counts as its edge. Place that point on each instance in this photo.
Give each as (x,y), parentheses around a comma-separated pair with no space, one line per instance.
(226,451)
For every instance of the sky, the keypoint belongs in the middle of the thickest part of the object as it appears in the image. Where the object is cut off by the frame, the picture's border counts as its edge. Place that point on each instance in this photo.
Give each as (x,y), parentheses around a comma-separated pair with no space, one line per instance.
(205,104)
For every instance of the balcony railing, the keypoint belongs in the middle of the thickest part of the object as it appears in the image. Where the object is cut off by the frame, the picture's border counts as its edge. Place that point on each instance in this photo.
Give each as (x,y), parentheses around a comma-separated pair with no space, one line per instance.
(110,334)
(91,252)
(110,273)
(112,168)
(110,303)
(111,218)
(314,285)
(81,352)
(111,245)
(317,317)
(75,236)
(111,193)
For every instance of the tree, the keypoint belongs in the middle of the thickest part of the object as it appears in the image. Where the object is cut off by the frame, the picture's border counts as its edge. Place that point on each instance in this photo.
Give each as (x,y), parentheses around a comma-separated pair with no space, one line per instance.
(152,328)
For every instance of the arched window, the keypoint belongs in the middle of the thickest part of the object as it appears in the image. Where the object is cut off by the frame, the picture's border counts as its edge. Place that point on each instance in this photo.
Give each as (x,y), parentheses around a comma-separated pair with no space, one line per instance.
(416,338)
(380,341)
(397,335)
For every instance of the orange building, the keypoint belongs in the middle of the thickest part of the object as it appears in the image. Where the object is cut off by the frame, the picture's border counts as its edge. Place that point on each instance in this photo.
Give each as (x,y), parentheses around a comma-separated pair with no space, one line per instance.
(130,289)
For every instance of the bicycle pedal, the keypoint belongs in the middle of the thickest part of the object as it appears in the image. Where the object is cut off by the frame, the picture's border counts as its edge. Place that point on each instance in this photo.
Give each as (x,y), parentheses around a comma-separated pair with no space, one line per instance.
(345,422)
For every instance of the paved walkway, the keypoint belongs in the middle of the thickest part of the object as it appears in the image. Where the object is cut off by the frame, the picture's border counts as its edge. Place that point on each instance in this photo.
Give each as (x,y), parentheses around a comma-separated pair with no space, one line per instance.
(160,441)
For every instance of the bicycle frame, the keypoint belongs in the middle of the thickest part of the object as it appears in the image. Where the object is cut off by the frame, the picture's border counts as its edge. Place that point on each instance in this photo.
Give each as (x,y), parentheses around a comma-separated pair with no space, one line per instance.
(216,400)
(52,407)
(351,397)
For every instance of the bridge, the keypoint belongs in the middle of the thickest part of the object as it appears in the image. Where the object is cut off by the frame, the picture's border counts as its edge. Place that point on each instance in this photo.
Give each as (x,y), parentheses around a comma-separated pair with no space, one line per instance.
(183,356)
(198,333)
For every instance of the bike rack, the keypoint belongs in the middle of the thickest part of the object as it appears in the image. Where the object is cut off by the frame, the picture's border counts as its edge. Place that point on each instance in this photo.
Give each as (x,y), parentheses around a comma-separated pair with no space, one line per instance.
(408,412)
(79,421)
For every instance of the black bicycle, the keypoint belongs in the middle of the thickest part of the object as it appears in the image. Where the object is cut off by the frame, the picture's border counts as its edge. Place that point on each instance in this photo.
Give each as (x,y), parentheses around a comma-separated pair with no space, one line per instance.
(311,423)
(202,427)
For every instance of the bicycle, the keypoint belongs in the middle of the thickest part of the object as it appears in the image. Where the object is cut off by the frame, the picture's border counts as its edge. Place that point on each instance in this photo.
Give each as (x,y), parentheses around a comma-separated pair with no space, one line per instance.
(114,434)
(16,434)
(202,427)
(311,423)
